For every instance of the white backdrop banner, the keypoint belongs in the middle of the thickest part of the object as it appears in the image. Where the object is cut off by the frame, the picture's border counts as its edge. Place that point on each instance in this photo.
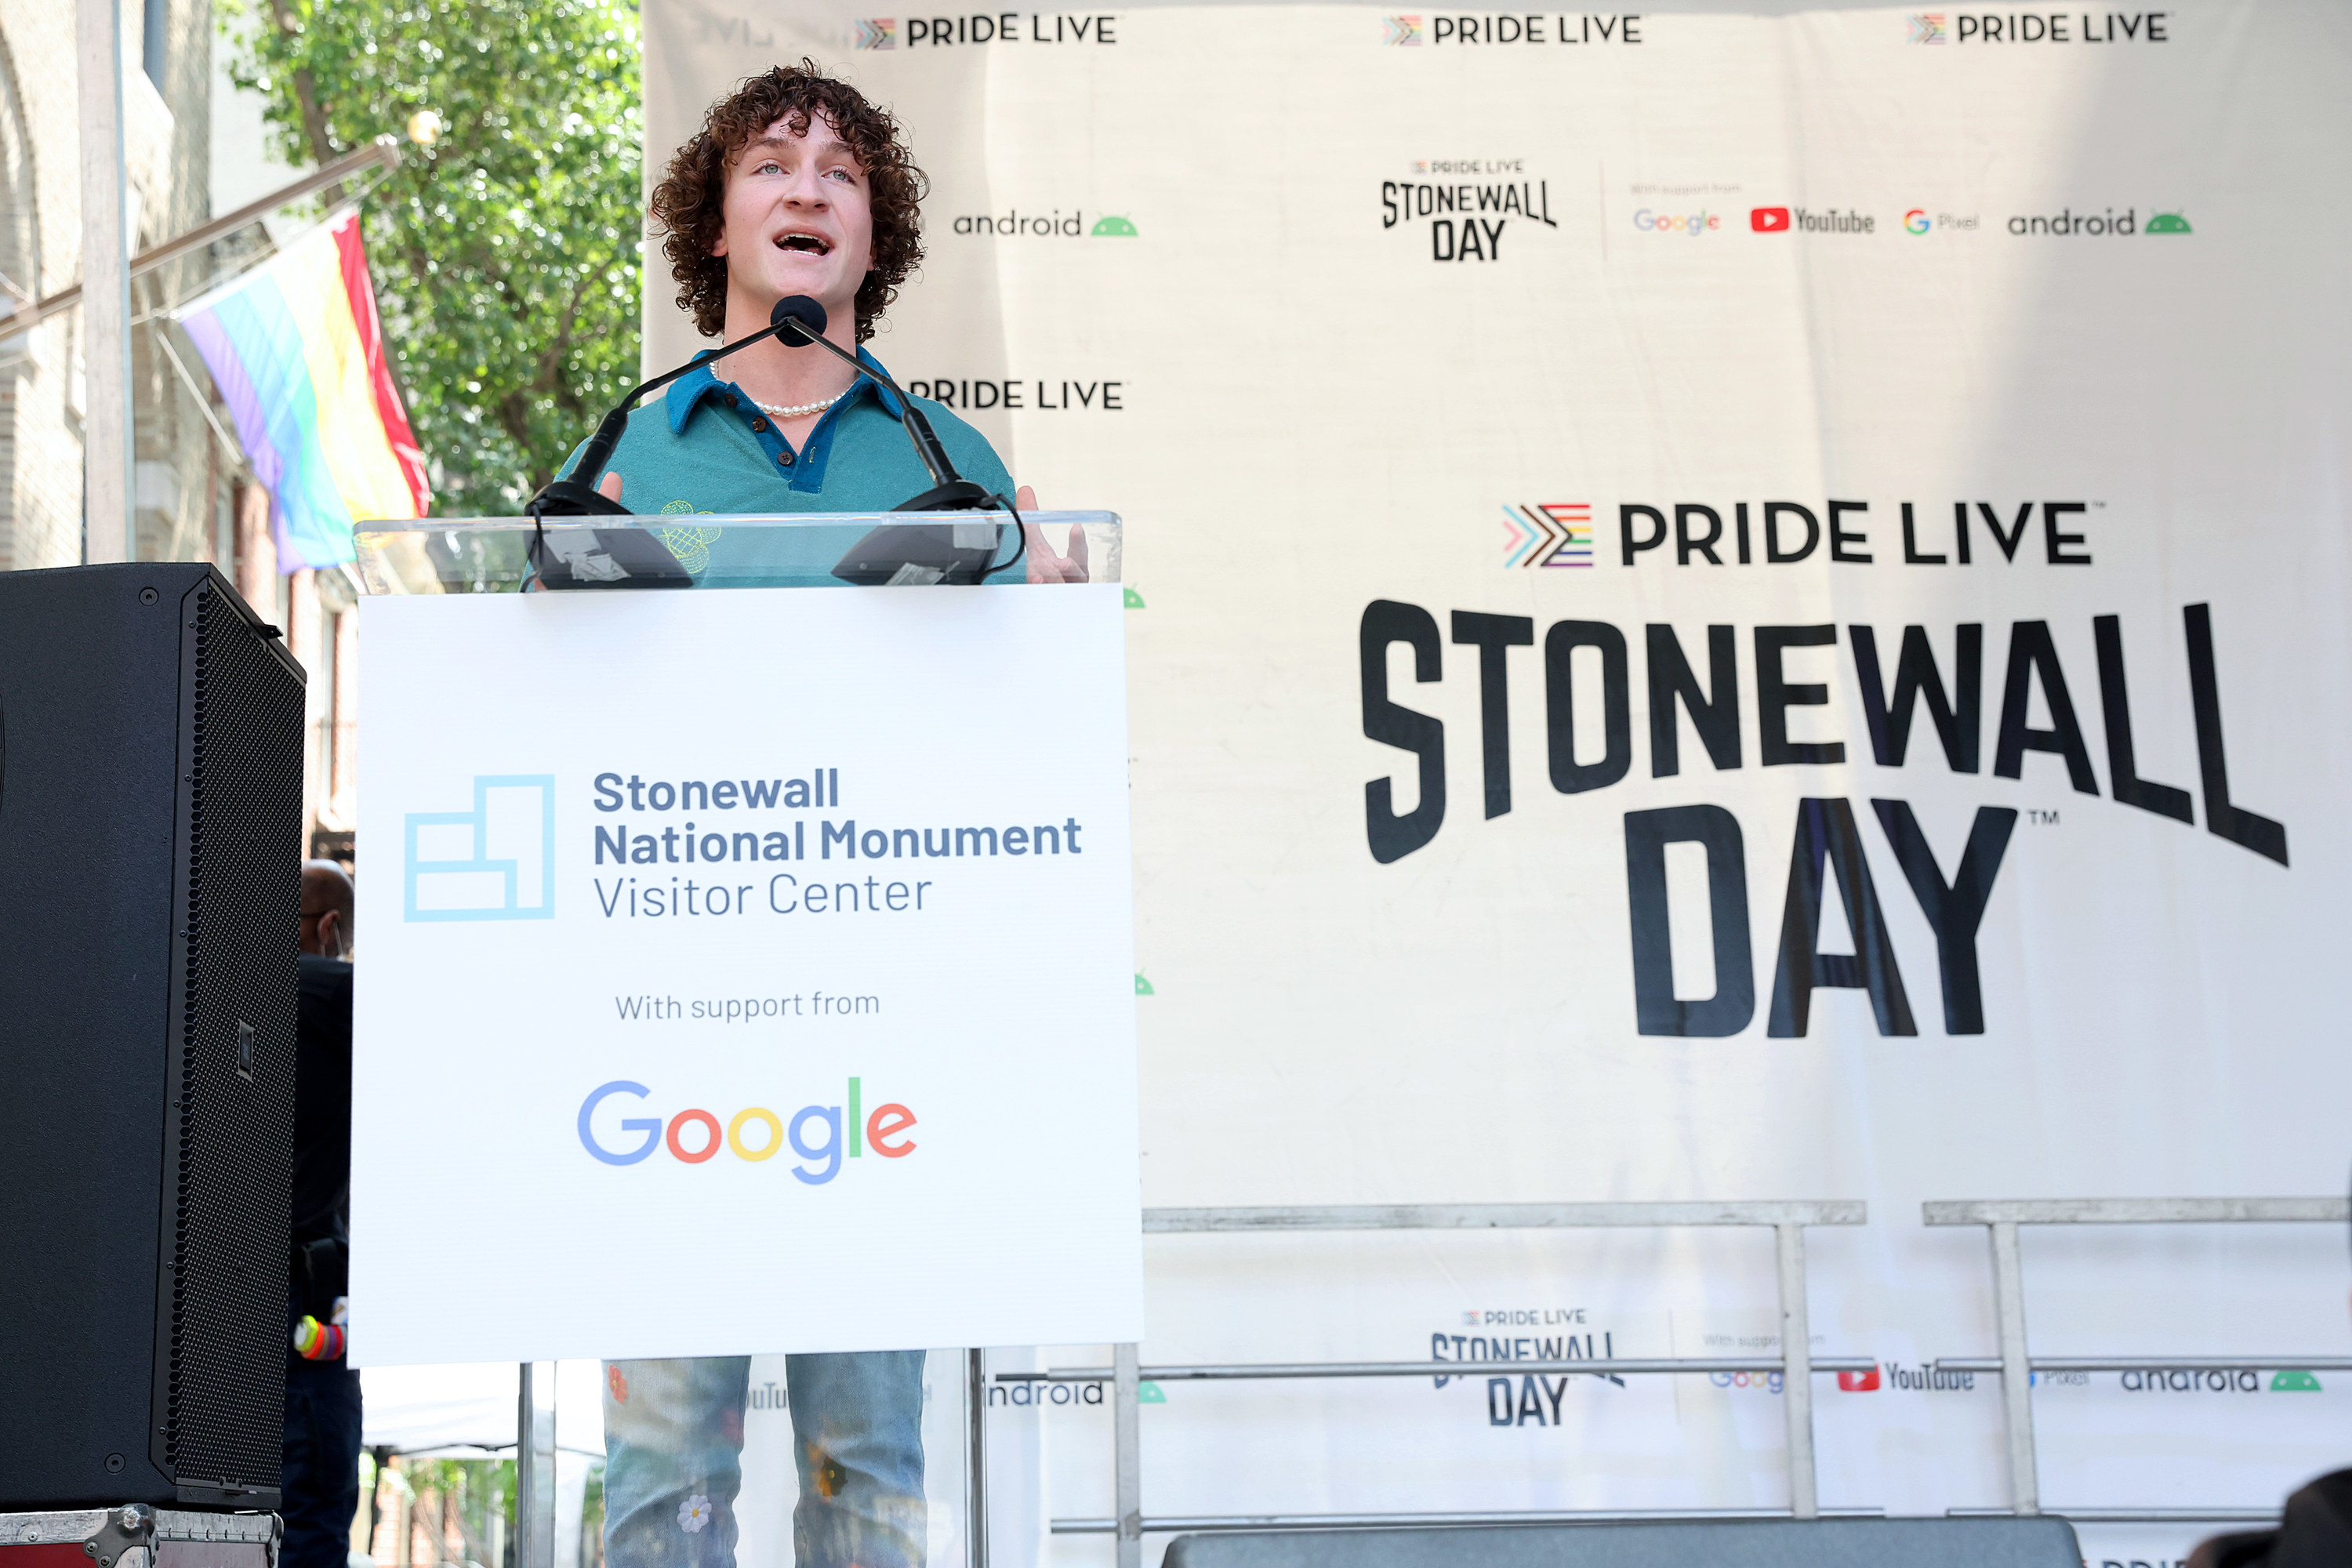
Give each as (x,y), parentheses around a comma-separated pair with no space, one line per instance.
(1722,606)
(739,939)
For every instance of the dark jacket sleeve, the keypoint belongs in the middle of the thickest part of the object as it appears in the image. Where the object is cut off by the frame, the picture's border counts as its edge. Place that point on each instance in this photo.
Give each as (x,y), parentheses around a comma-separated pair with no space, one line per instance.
(2314,1530)
(322,1103)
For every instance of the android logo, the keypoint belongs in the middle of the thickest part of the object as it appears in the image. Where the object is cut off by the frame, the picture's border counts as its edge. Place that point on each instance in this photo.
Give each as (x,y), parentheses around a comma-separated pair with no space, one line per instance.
(2168,223)
(1110,225)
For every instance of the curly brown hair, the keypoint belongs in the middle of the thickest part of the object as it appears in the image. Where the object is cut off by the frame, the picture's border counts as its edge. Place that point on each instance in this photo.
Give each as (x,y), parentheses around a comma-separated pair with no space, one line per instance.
(688,205)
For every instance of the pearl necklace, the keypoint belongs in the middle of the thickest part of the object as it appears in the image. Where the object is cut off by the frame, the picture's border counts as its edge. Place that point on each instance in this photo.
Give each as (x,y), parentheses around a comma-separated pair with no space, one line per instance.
(799,410)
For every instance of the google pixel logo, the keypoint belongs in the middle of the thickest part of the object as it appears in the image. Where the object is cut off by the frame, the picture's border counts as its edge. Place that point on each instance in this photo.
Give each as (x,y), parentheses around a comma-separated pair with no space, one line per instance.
(1915,221)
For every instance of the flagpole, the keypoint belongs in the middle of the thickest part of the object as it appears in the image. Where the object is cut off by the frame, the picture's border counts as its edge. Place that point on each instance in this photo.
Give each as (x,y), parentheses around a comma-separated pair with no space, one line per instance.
(106,436)
(383,153)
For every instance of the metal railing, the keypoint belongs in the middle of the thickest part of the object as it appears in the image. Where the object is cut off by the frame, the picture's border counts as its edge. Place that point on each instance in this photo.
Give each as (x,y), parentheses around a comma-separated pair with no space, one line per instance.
(2015,1365)
(1796,1363)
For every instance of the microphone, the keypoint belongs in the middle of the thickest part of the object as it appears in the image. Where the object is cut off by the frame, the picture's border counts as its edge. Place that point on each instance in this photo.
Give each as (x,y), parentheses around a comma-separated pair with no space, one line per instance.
(577,495)
(798,317)
(797,321)
(896,554)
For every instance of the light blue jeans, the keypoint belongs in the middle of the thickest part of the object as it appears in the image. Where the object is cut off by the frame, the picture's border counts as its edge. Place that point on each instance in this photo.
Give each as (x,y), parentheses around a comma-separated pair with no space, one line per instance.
(674,1460)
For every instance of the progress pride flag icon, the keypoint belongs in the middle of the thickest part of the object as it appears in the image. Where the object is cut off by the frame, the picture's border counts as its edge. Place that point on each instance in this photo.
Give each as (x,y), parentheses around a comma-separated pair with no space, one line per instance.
(1768,220)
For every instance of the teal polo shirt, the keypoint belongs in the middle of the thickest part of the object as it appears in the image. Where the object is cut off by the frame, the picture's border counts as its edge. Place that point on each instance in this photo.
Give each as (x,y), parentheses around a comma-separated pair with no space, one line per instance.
(706,448)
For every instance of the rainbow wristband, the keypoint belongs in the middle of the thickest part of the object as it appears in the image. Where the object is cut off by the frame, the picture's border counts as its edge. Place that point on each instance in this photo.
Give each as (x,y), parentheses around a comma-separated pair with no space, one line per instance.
(315,1340)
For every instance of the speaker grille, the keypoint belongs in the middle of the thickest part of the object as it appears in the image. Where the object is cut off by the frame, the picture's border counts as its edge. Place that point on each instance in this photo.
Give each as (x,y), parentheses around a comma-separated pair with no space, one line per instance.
(236,1056)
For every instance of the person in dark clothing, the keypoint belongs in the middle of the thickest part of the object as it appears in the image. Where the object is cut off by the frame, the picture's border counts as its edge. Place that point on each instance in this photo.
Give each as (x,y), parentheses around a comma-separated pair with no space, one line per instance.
(2314,1532)
(321,1458)
(2315,1529)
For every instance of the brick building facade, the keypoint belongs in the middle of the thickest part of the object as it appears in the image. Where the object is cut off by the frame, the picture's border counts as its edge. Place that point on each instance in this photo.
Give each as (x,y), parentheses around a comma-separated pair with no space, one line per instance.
(194,497)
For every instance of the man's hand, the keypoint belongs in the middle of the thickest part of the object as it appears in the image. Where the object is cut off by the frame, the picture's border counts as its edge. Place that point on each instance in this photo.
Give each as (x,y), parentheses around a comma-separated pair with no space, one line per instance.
(1045,566)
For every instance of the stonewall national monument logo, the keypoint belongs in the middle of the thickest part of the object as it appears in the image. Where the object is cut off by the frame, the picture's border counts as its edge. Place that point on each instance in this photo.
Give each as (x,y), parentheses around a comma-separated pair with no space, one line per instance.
(495,862)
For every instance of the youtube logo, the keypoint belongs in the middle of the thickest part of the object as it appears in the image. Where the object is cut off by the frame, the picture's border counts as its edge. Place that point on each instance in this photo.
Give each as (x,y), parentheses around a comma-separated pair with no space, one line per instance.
(1770,220)
(1851,1382)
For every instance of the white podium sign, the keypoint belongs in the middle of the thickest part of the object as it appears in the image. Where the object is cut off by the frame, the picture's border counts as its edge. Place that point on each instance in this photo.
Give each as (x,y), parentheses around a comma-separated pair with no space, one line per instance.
(743,971)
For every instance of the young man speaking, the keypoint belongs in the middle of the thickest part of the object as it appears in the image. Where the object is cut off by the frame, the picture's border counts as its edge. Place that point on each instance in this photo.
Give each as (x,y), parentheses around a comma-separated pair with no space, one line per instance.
(795,184)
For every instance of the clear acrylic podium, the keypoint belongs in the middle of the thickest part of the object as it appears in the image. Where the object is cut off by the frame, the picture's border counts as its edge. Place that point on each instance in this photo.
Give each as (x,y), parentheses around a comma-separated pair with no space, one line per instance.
(704,550)
(559,1488)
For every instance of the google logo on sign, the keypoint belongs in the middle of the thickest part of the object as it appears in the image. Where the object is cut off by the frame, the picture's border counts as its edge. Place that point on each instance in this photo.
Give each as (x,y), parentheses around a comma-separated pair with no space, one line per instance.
(1915,221)
(755,1133)
(1694,223)
(1769,1381)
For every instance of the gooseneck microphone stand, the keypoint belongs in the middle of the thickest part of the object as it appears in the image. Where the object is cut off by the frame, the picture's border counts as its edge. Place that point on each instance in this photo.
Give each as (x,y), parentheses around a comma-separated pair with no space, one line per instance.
(576,495)
(798,321)
(949,491)
(885,555)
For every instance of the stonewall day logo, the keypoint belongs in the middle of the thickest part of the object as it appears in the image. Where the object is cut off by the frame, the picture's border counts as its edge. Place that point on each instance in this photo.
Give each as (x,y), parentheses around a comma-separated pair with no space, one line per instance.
(1467,202)
(1929,696)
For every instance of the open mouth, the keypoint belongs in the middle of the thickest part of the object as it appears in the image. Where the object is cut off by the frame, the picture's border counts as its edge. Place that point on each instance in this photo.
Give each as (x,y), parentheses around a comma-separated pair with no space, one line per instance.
(806,244)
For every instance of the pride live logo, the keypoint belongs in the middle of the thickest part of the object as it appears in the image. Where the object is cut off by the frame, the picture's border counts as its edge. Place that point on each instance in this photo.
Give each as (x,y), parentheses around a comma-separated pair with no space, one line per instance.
(495,862)
(1547,534)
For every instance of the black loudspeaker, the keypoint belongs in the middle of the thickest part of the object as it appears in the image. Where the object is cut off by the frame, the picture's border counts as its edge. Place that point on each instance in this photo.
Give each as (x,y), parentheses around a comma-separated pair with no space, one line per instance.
(151,800)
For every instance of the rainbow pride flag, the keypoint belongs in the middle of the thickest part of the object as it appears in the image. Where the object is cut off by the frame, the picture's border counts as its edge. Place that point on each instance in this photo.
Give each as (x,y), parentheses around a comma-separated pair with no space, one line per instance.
(297,350)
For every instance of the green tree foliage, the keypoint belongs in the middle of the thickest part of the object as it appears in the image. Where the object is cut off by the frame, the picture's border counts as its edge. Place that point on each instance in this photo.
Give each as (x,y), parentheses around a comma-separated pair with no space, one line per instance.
(467,1494)
(507,253)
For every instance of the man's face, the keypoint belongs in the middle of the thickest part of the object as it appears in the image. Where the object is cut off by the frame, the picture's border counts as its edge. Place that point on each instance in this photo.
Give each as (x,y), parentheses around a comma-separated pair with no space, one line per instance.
(798,220)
